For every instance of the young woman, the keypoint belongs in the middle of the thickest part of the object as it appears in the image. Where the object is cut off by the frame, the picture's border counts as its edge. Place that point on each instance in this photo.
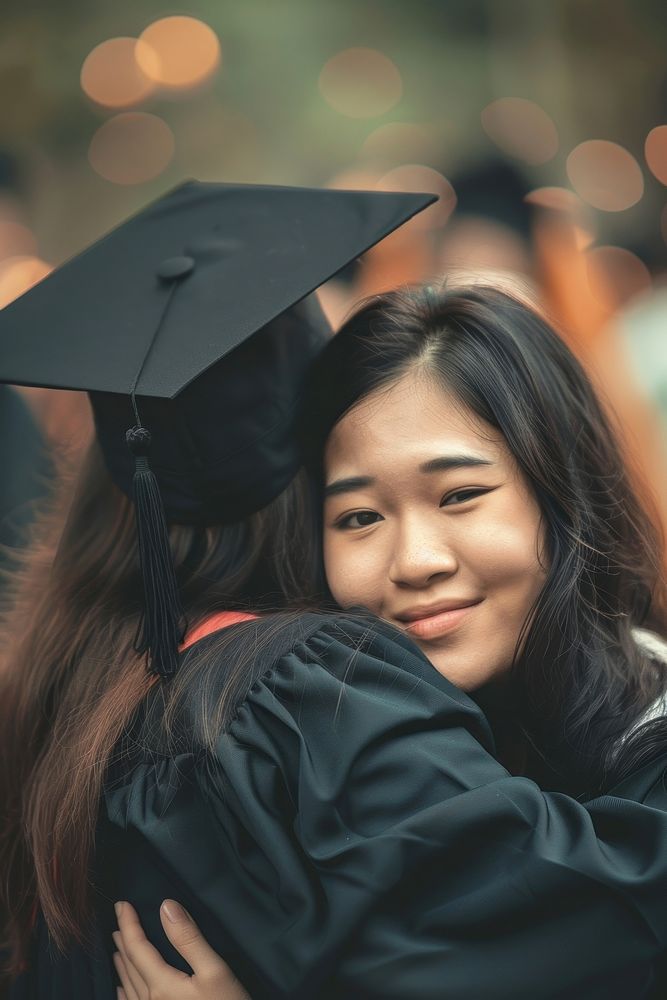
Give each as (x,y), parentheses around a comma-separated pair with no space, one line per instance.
(330,811)
(469,397)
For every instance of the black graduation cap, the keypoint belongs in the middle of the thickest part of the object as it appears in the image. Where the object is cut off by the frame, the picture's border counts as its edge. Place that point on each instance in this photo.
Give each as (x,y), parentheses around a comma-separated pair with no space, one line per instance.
(192,327)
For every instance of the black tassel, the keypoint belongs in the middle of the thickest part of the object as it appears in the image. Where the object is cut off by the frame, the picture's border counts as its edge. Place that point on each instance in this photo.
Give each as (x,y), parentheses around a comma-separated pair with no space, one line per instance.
(162,625)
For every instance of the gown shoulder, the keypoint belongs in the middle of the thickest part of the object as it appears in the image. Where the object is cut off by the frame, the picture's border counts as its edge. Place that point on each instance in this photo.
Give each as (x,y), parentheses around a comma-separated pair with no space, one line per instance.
(349,832)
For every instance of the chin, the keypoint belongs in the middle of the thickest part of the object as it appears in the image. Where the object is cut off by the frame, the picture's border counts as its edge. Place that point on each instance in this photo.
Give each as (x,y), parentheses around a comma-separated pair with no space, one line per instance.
(466,677)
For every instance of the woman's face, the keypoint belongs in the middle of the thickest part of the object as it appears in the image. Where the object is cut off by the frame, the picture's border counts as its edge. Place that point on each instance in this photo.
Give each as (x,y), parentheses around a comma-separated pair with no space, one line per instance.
(429,523)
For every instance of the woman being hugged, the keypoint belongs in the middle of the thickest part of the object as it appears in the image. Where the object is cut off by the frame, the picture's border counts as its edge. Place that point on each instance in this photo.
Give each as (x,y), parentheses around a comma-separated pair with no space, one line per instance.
(468,397)
(320,794)
(474,497)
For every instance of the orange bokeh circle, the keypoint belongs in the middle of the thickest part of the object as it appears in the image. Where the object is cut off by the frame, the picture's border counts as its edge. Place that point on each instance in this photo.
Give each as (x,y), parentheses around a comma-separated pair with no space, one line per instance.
(113,74)
(361,83)
(131,148)
(616,275)
(419,178)
(521,129)
(18,274)
(185,51)
(655,151)
(605,175)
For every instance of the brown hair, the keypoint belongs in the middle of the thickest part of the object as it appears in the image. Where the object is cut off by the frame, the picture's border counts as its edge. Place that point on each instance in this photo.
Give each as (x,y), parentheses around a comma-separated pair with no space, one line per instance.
(70,680)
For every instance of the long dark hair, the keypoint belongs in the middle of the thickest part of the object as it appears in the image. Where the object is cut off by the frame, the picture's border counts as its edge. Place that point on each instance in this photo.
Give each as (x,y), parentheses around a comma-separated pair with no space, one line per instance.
(580,681)
(71,682)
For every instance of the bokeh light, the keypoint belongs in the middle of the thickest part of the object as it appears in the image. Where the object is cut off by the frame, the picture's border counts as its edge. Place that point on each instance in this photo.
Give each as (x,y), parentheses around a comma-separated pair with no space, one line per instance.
(419,178)
(113,73)
(180,52)
(560,199)
(616,275)
(605,175)
(16,240)
(474,245)
(655,151)
(521,128)
(400,141)
(356,179)
(18,274)
(361,83)
(131,148)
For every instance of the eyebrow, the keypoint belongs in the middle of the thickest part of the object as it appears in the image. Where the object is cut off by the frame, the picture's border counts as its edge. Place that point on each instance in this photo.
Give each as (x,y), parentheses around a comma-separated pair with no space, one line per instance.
(348,485)
(445,462)
(441,464)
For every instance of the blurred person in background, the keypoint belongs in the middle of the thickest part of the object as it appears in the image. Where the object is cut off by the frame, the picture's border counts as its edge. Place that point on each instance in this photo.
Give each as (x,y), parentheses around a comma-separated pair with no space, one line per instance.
(640,323)
(27,474)
(24,454)
(586,301)
(490,230)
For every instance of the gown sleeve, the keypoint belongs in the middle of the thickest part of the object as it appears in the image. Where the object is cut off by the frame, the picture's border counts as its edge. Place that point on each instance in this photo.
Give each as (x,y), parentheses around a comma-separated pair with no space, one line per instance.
(353,836)
(378,850)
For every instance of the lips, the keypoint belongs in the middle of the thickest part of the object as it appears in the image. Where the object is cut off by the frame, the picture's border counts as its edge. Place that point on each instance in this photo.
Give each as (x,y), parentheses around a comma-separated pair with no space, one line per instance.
(429,611)
(436,621)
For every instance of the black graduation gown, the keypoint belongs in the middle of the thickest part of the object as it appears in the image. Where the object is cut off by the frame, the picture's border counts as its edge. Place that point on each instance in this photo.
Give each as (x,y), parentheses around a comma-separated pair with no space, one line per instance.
(353,836)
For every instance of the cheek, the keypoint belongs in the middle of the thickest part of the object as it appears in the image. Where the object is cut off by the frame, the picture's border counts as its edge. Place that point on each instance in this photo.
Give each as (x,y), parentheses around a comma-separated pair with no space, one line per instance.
(354,573)
(509,551)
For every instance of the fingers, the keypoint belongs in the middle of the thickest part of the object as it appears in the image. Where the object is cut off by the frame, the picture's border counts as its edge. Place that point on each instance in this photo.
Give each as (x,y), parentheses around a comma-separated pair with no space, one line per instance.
(142,962)
(128,990)
(134,986)
(189,942)
(144,973)
(187,939)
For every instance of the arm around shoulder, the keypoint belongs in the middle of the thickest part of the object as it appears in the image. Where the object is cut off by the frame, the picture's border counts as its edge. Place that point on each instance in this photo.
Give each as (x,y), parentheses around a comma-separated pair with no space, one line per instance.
(407,860)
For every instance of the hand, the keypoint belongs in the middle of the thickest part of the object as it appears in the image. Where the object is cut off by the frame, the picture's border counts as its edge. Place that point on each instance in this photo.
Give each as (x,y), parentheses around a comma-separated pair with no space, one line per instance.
(146,976)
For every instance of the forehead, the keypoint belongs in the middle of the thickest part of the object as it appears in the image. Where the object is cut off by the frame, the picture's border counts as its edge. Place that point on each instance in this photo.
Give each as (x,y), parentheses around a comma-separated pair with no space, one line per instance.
(411,419)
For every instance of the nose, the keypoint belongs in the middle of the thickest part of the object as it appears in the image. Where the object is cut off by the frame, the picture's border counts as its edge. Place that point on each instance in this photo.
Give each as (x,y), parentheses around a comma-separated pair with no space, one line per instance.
(421,554)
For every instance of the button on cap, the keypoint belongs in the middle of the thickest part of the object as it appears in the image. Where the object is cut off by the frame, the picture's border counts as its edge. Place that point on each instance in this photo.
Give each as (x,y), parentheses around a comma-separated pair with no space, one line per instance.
(175,267)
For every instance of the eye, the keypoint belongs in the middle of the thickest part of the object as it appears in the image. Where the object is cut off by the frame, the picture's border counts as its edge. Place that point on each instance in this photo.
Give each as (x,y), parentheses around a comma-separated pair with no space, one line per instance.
(461,496)
(358,519)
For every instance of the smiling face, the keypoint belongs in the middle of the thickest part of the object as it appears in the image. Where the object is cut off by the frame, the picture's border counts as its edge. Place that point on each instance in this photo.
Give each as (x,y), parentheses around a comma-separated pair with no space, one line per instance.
(430,524)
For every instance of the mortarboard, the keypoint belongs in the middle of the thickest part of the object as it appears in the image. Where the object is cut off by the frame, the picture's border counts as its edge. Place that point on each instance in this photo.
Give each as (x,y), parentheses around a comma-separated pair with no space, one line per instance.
(192,327)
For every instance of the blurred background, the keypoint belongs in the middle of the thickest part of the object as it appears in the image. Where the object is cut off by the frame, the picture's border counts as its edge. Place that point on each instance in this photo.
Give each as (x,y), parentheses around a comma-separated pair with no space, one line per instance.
(542,125)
